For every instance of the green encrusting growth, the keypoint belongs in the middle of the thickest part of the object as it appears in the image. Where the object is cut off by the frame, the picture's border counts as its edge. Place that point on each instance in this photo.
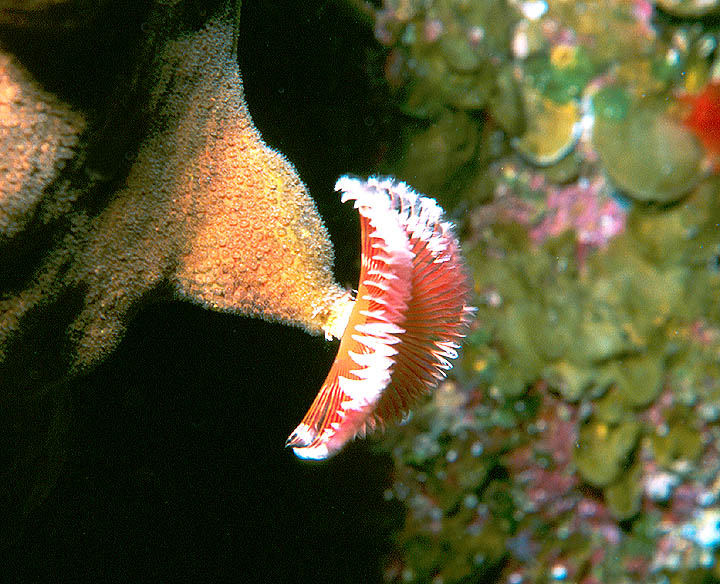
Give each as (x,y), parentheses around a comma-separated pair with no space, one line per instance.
(587,392)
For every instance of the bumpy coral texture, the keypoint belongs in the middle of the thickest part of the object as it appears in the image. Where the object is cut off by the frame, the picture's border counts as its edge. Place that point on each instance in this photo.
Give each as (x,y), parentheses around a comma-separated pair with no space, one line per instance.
(93,223)
(206,207)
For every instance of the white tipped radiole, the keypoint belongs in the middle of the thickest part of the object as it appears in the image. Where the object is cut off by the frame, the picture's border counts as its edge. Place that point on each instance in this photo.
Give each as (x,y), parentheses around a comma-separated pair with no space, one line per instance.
(411,308)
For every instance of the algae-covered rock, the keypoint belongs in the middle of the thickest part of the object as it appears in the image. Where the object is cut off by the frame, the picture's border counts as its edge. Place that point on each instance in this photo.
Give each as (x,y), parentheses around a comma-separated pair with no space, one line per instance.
(505,103)
(432,154)
(451,52)
(517,333)
(613,31)
(565,170)
(602,450)
(646,152)
(690,8)
(554,331)
(591,380)
(511,379)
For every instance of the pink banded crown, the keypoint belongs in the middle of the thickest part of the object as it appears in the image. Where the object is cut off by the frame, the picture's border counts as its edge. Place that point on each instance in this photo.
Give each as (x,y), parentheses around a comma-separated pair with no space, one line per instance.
(403,328)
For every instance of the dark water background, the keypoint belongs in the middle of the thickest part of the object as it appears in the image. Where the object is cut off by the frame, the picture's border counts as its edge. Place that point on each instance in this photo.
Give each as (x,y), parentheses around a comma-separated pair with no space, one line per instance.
(175,464)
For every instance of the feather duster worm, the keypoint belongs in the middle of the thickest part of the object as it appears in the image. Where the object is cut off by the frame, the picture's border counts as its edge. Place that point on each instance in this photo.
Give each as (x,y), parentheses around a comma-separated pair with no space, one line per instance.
(205,209)
(411,309)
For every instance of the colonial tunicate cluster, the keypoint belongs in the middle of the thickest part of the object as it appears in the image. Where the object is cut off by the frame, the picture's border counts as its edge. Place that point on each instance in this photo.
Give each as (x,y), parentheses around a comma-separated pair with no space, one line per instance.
(580,441)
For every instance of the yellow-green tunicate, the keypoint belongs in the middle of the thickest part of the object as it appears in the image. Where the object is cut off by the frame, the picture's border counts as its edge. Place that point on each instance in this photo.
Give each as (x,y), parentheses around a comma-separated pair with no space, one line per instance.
(624,496)
(677,441)
(611,408)
(552,128)
(572,380)
(505,103)
(639,379)
(602,450)
(648,154)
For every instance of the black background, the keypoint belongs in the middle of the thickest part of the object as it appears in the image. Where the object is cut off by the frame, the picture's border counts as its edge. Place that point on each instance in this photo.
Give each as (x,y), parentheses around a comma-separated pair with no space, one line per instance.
(175,468)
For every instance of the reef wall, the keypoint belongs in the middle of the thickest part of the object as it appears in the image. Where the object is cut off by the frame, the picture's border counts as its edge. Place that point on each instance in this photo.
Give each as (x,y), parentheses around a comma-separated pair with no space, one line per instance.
(579,143)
